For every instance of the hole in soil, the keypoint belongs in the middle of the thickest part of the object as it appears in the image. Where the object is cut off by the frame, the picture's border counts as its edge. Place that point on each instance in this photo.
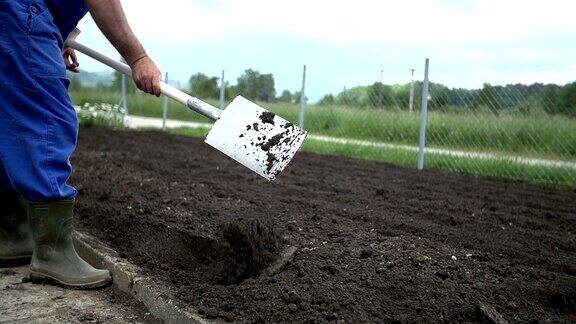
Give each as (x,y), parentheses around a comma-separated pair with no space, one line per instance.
(242,250)
(235,251)
(564,302)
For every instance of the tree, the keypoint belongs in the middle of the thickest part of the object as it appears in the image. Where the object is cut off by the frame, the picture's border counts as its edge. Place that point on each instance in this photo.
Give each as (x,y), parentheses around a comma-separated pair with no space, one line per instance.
(551,99)
(248,84)
(327,100)
(439,100)
(439,96)
(568,99)
(117,83)
(267,90)
(231,92)
(286,96)
(487,98)
(202,86)
(353,97)
(379,95)
(401,96)
(297,96)
(256,86)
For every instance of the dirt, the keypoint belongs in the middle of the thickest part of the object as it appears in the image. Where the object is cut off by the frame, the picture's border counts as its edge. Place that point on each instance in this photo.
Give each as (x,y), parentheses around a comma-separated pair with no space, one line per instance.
(277,143)
(242,250)
(273,141)
(279,148)
(267,117)
(375,242)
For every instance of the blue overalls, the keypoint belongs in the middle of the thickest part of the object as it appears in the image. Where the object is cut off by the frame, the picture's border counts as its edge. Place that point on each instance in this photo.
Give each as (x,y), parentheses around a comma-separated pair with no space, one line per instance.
(38,124)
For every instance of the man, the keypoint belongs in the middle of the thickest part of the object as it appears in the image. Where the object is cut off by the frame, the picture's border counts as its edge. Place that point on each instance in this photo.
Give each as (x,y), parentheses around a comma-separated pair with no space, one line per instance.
(38,130)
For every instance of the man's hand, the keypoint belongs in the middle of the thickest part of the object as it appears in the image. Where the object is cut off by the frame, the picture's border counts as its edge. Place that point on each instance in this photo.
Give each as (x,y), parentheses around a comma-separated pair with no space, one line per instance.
(70,60)
(147,76)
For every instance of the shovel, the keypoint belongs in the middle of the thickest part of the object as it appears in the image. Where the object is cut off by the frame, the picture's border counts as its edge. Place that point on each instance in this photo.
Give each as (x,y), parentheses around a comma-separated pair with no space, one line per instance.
(258,139)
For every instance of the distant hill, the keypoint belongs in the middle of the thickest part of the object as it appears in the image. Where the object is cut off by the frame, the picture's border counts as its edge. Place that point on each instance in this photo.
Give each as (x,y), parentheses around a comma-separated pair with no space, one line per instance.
(91,79)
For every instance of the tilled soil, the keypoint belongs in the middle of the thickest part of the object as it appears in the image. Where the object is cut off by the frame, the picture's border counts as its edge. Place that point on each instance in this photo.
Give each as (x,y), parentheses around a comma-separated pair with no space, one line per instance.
(375,242)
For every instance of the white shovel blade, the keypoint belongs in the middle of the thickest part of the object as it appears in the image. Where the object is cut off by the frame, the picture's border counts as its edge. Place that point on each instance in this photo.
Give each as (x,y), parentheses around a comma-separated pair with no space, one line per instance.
(258,139)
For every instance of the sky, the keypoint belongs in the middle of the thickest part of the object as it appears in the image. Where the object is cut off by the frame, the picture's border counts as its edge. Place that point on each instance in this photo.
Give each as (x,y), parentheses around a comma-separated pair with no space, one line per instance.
(347,43)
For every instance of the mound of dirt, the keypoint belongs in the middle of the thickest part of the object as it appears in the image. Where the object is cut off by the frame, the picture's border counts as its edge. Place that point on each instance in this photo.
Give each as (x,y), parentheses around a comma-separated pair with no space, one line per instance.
(243,250)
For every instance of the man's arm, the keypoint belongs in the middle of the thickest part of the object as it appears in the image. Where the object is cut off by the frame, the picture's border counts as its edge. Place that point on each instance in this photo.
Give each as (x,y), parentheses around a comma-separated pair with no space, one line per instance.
(110,18)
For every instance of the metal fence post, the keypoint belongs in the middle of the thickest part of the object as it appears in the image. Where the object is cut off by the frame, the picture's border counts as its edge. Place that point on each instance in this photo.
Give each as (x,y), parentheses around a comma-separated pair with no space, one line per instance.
(411,105)
(165,107)
(302,99)
(123,102)
(423,117)
(222,90)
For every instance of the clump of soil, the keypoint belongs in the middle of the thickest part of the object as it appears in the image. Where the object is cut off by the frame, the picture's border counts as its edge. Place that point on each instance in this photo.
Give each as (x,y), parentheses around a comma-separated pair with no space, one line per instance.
(273,141)
(267,117)
(243,250)
(270,160)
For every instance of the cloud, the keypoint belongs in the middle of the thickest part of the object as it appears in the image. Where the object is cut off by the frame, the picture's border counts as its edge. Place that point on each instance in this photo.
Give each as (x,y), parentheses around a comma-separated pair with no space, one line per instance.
(347,43)
(433,22)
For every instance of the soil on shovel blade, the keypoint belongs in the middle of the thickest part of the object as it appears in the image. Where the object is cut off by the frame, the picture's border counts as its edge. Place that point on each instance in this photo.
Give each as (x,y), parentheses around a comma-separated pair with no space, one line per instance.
(375,242)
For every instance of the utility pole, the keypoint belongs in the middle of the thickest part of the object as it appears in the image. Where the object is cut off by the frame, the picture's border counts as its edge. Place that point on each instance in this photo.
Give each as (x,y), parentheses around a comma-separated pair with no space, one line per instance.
(382,76)
(411,106)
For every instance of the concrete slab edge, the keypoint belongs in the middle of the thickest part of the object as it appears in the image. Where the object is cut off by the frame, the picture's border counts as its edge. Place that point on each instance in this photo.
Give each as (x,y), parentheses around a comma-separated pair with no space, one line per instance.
(127,279)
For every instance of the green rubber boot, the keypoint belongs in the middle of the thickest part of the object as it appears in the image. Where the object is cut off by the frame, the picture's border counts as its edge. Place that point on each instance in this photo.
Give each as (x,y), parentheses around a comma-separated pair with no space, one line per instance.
(15,235)
(55,259)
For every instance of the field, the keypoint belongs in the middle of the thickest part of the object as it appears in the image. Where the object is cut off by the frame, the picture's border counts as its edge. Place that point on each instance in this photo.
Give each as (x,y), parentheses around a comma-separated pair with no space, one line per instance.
(524,135)
(552,138)
(374,242)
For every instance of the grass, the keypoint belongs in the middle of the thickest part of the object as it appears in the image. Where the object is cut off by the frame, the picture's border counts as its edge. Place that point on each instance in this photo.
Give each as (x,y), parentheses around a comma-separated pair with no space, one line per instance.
(552,137)
(531,136)
(497,168)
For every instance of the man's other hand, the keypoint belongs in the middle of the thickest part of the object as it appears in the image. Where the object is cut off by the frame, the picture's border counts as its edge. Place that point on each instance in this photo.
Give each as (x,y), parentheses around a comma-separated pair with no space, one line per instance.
(147,76)
(70,59)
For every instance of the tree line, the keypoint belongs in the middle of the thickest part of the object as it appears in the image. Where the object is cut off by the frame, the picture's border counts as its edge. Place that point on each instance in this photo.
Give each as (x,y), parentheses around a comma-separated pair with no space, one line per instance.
(251,84)
(511,98)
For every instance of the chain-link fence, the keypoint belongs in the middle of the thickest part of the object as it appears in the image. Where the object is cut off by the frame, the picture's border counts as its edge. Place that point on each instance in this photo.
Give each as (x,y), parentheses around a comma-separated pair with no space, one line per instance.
(516,131)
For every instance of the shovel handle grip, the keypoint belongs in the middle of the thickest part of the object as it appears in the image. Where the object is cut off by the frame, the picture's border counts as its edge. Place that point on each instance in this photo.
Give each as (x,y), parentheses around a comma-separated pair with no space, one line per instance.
(195,104)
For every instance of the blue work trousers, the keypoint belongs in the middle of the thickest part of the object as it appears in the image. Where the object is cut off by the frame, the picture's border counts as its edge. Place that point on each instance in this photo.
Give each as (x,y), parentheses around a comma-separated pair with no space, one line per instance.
(38,123)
